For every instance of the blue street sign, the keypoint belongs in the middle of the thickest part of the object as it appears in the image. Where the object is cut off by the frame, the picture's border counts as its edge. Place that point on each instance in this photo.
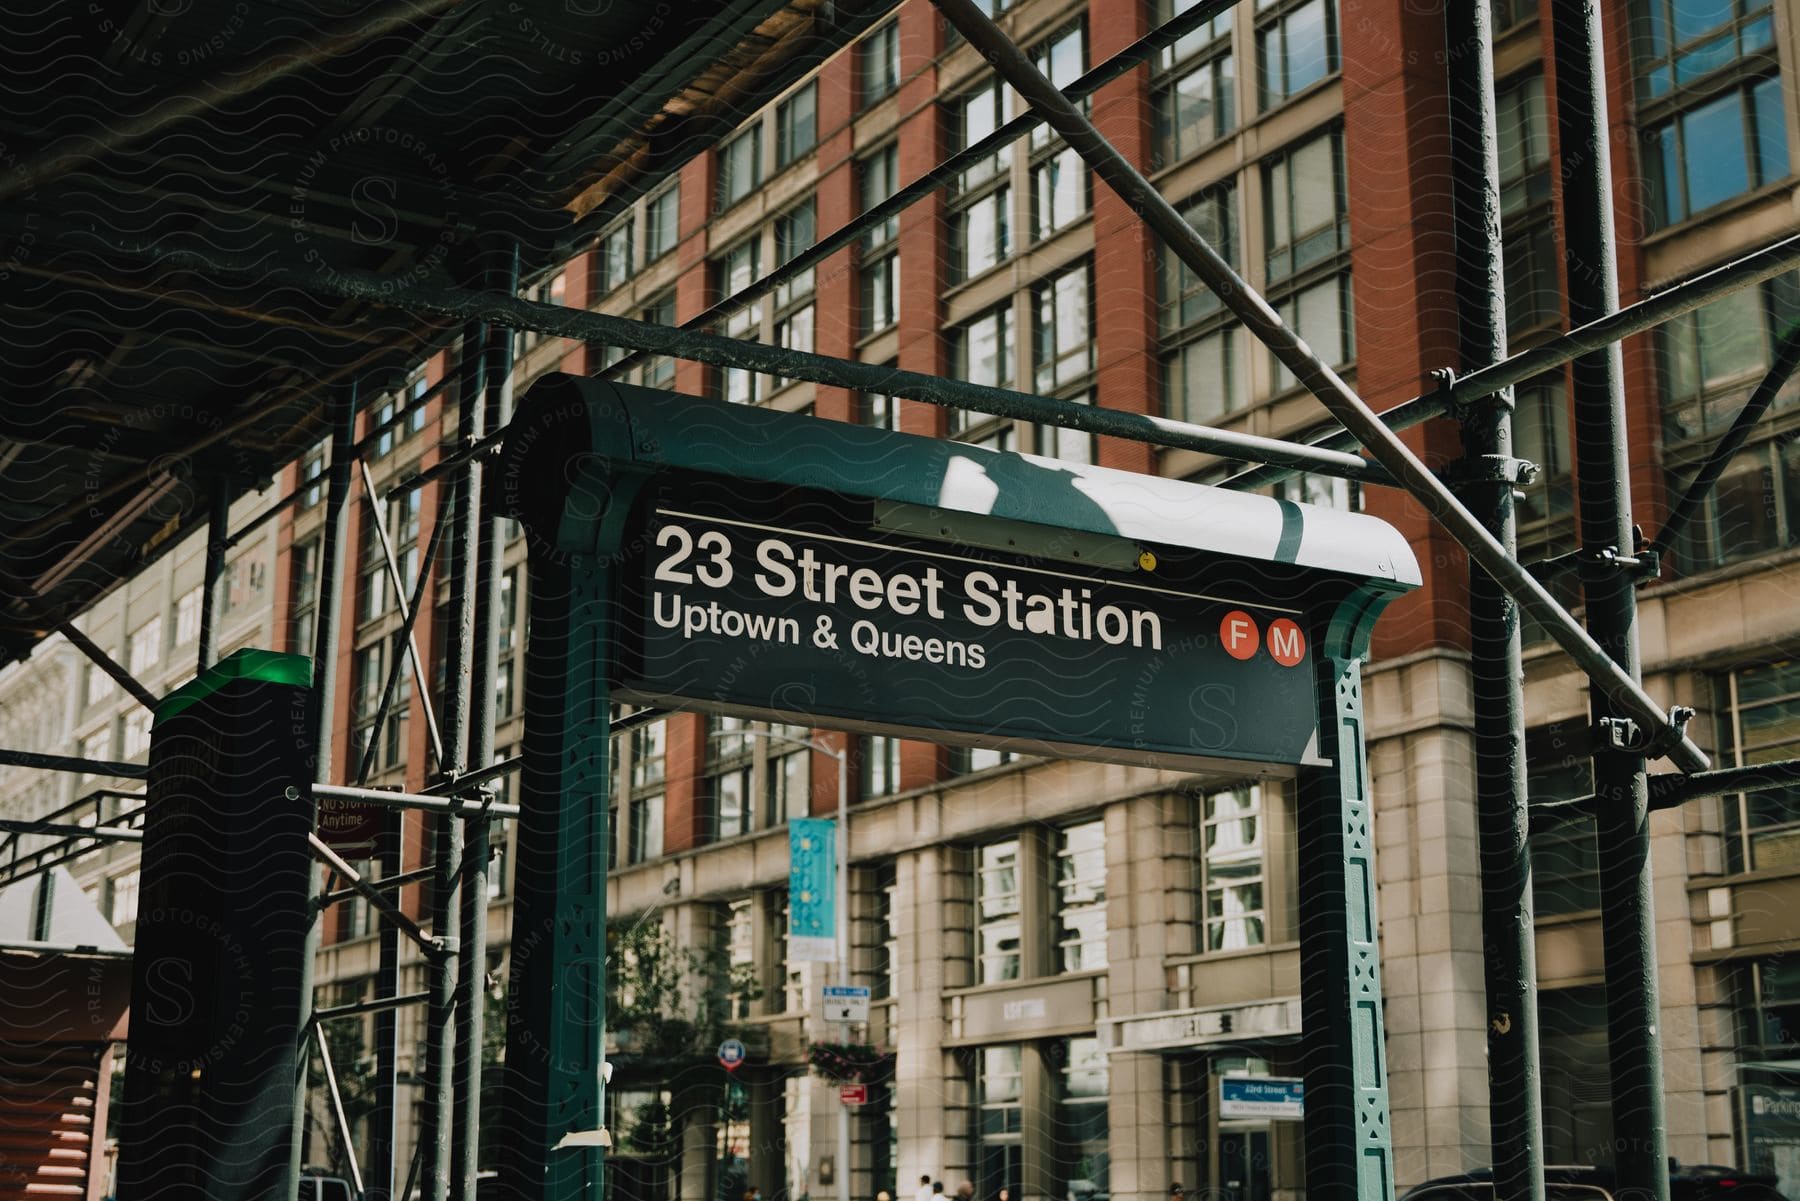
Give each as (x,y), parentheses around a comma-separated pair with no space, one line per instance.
(1262,1097)
(731,1054)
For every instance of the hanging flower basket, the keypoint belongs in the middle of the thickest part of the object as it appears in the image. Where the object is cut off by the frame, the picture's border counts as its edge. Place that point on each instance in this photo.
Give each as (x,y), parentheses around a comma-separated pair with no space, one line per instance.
(849,1063)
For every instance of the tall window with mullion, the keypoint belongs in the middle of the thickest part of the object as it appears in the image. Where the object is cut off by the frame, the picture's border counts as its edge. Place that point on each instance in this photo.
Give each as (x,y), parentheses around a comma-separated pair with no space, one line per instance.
(982,353)
(741,266)
(658,371)
(1195,87)
(1059,179)
(879,271)
(1709,361)
(1565,864)
(878,62)
(507,639)
(1083,1145)
(796,126)
(795,231)
(1081,897)
(789,789)
(980,215)
(649,746)
(1296,47)
(740,167)
(999,1118)
(1528,222)
(1710,105)
(615,259)
(1759,722)
(730,767)
(1307,237)
(1062,353)
(997,932)
(1231,868)
(1203,379)
(878,765)
(662,221)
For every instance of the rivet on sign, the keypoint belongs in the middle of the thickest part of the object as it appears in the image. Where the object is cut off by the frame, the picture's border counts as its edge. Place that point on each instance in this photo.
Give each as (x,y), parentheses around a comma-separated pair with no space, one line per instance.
(1146,560)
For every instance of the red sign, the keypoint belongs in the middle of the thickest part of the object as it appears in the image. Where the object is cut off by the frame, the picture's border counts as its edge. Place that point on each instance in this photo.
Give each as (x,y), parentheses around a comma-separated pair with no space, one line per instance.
(853,1094)
(1287,645)
(1238,634)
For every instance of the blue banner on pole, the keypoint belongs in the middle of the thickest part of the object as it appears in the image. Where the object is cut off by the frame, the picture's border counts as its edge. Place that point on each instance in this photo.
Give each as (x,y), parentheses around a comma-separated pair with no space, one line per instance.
(812,890)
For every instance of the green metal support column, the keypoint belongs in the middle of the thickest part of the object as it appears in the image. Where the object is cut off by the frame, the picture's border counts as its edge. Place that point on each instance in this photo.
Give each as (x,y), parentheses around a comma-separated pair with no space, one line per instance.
(554,1102)
(1603,480)
(1484,479)
(1349,1146)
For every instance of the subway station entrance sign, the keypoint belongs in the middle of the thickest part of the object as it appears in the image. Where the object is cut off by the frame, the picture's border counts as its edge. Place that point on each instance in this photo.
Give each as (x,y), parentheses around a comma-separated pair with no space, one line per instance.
(688,554)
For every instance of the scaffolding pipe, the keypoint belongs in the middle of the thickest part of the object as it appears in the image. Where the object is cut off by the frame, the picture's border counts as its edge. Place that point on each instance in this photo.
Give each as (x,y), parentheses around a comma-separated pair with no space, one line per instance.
(379,1006)
(70,763)
(112,667)
(12,825)
(337,1110)
(384,1113)
(1486,478)
(218,529)
(374,896)
(319,700)
(1787,358)
(946,172)
(489,532)
(416,800)
(582,325)
(1603,331)
(1603,502)
(409,609)
(1263,322)
(437,1133)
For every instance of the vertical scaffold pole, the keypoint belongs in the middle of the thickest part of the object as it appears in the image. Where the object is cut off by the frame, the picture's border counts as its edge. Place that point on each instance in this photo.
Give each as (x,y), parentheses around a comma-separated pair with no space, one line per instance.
(1603,494)
(1488,474)
(324,688)
(490,534)
(218,533)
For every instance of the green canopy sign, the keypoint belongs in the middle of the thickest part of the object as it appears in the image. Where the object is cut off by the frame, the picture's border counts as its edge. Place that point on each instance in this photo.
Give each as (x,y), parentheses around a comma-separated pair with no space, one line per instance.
(692,554)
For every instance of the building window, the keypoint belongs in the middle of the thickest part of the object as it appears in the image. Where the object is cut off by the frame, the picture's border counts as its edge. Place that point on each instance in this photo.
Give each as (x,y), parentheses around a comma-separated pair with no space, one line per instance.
(795,231)
(658,371)
(312,477)
(1760,723)
(143,650)
(1565,866)
(1320,314)
(997,911)
(97,747)
(1062,330)
(740,167)
(649,743)
(999,1121)
(554,290)
(1081,897)
(1202,378)
(730,768)
(1708,362)
(1307,222)
(187,617)
(122,897)
(743,985)
(615,257)
(789,773)
(241,586)
(885,945)
(790,996)
(879,60)
(662,222)
(796,125)
(372,594)
(879,762)
(506,638)
(1081,1139)
(303,599)
(1296,47)
(1231,868)
(1195,87)
(98,685)
(1059,179)
(1541,436)
(741,266)
(966,759)
(136,742)
(879,272)
(982,353)
(370,676)
(1304,488)
(1709,103)
(877,411)
(980,213)
(1528,221)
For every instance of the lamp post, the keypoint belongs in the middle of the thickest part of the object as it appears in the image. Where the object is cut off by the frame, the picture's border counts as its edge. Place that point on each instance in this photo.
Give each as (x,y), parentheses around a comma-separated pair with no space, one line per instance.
(841,926)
